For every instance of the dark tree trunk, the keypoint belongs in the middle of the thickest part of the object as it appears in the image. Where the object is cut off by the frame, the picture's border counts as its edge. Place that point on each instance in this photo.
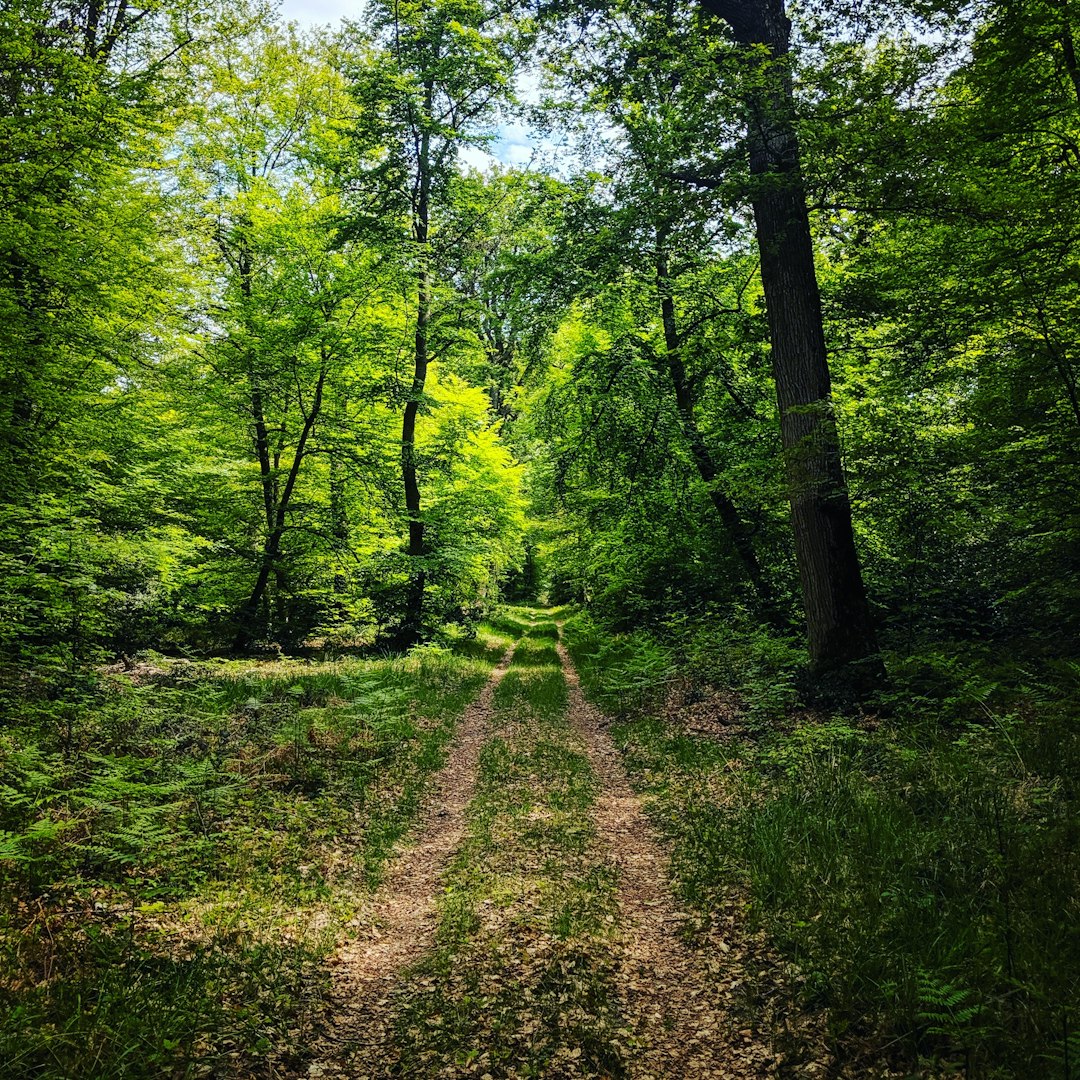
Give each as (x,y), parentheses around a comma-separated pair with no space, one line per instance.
(412,621)
(270,563)
(737,529)
(839,628)
(339,517)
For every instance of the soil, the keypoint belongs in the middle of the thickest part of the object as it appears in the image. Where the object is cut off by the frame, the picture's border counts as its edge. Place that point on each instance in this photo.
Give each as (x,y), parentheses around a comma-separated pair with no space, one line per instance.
(674,996)
(678,1001)
(397,926)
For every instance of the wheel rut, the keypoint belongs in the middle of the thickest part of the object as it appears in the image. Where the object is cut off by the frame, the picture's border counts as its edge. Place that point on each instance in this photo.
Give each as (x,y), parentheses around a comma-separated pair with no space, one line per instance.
(397,925)
(683,1031)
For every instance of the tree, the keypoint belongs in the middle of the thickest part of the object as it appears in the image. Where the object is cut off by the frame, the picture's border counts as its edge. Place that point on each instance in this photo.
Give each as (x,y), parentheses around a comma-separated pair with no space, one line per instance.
(839,626)
(287,295)
(441,71)
(86,92)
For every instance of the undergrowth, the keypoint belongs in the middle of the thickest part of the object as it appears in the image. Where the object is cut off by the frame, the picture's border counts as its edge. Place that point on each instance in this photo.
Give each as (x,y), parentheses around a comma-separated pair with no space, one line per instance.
(180,846)
(917,866)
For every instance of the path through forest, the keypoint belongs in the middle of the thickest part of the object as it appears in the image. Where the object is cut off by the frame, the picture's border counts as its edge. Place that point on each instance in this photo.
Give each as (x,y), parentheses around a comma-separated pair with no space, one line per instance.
(531,929)
(685,1030)
(398,924)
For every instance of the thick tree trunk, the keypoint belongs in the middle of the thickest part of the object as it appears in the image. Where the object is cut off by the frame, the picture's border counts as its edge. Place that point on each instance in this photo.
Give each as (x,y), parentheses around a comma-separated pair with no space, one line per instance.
(839,628)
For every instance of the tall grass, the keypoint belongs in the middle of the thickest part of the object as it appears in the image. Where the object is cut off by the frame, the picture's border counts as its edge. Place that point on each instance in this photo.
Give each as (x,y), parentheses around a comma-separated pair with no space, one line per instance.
(920,875)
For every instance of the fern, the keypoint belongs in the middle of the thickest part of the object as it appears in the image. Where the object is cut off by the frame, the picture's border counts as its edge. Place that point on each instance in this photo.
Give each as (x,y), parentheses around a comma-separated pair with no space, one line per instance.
(945,1008)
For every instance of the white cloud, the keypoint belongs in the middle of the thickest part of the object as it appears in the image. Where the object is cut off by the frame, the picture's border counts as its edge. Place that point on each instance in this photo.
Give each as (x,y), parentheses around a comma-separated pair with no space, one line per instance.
(515,153)
(472,157)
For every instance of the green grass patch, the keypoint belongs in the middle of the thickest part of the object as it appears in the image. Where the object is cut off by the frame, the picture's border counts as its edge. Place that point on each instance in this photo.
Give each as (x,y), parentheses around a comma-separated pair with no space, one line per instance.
(168,841)
(521,982)
(919,876)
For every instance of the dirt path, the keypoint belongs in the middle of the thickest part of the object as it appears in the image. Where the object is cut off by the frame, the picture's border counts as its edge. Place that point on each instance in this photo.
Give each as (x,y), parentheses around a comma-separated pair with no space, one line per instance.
(397,926)
(673,1006)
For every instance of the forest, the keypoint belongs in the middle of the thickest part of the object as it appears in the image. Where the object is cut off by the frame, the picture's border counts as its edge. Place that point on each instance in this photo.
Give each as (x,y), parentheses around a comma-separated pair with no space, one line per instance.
(540,538)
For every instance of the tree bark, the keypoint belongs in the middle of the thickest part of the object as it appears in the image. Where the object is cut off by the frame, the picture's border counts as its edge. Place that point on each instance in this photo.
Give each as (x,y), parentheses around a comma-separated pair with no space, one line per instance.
(839,627)
(271,557)
(412,622)
(339,517)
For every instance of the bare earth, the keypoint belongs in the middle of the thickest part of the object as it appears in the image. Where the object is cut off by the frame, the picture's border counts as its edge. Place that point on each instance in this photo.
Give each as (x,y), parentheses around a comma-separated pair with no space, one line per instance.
(397,926)
(674,1007)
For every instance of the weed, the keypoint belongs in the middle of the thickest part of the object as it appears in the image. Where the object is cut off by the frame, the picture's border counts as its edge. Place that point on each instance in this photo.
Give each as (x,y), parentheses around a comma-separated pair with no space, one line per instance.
(165,853)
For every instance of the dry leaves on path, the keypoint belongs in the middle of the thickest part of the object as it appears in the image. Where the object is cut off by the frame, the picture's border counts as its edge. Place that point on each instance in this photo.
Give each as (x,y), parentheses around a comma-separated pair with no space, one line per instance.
(397,926)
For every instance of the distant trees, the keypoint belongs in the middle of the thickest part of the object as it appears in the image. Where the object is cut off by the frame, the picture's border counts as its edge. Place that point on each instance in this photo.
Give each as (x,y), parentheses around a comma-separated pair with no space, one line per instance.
(279,367)
(439,75)
(926,192)
(201,374)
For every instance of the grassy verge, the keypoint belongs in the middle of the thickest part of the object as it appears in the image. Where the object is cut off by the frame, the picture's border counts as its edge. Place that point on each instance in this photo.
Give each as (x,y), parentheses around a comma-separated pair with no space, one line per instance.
(520,982)
(917,873)
(180,848)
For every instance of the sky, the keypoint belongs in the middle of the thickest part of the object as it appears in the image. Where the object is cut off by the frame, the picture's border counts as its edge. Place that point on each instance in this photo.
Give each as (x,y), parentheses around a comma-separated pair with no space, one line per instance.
(311,12)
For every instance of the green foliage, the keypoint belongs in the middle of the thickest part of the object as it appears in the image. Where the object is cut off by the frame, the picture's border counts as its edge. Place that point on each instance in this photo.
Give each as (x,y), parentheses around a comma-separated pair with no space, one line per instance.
(624,673)
(852,837)
(158,843)
(220,237)
(733,651)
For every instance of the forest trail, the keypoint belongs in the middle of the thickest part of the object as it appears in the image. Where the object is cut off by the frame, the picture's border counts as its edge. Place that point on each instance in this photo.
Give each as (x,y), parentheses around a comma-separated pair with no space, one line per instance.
(398,925)
(657,1009)
(683,1028)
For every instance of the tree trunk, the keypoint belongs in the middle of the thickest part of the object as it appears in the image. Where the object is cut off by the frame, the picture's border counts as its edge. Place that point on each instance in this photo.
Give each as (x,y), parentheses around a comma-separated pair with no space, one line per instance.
(271,557)
(339,517)
(737,529)
(412,621)
(839,628)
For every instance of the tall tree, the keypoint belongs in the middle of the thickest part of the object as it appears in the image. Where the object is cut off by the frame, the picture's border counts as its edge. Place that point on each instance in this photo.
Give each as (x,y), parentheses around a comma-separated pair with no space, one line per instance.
(839,625)
(285,291)
(444,67)
(85,92)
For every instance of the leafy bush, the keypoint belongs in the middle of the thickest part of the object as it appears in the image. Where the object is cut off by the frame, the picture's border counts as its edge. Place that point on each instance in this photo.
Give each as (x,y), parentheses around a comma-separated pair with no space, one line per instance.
(735,652)
(624,673)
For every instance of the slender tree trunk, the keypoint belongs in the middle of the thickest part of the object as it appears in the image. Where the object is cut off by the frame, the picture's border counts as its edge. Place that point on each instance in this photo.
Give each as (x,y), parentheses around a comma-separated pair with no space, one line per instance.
(735,526)
(1068,50)
(412,622)
(339,518)
(271,555)
(839,627)
(262,452)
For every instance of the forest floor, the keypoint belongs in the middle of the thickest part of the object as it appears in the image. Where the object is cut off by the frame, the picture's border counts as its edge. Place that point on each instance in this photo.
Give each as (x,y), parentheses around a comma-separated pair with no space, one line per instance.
(529,927)
(447,864)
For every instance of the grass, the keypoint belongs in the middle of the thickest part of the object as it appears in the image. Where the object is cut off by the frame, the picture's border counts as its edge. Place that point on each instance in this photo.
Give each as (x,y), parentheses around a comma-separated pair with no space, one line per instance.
(179,851)
(917,876)
(520,984)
